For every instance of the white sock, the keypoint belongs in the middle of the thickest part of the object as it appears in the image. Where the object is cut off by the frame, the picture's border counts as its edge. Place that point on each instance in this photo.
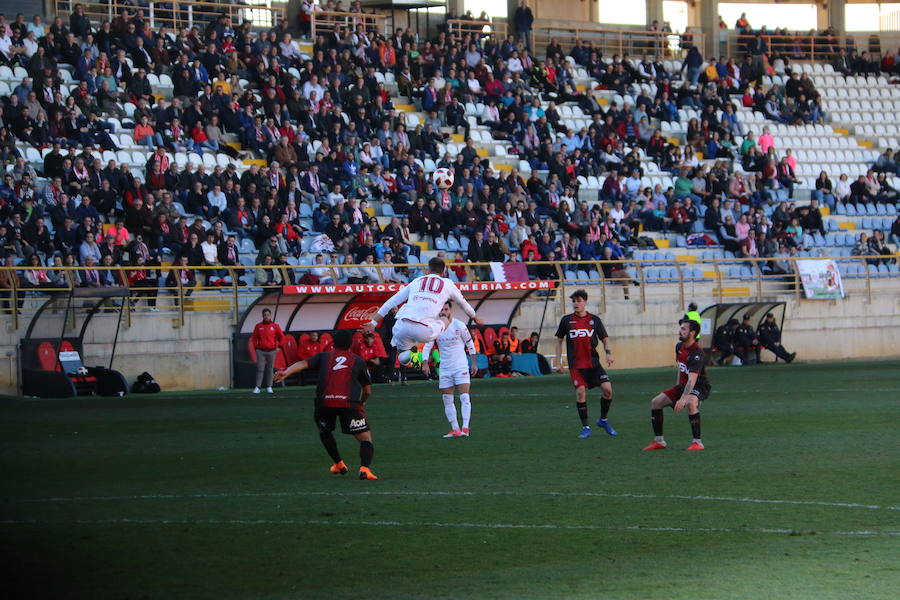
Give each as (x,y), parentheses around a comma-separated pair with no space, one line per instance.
(660,439)
(450,411)
(404,357)
(465,407)
(698,441)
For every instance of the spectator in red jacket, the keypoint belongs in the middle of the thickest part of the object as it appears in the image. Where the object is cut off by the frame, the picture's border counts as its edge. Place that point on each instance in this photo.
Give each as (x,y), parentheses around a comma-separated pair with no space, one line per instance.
(267,336)
(310,347)
(374,355)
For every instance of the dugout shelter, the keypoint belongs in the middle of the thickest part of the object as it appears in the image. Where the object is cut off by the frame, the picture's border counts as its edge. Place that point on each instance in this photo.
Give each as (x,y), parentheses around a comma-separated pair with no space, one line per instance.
(51,353)
(302,309)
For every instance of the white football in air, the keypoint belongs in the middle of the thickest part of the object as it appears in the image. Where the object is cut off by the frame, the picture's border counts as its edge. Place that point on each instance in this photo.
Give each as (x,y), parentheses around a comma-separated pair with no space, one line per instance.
(443,178)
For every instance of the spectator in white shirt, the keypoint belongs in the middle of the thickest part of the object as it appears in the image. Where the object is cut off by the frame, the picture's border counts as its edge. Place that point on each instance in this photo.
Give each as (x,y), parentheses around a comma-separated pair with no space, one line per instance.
(217,200)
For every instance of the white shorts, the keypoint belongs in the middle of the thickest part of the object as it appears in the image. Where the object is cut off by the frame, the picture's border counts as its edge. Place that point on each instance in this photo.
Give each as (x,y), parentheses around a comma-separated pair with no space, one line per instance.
(451,378)
(407,334)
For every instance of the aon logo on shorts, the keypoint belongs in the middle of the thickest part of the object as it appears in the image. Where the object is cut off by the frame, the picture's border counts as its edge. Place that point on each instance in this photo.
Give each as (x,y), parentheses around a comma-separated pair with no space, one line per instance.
(357,423)
(578,333)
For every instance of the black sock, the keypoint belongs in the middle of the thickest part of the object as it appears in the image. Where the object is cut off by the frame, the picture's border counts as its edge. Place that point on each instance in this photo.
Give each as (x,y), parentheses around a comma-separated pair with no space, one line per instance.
(582,412)
(366,451)
(656,419)
(330,445)
(604,407)
(695,425)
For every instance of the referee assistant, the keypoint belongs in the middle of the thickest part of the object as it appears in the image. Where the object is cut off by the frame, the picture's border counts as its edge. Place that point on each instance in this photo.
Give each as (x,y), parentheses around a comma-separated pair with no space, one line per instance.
(267,336)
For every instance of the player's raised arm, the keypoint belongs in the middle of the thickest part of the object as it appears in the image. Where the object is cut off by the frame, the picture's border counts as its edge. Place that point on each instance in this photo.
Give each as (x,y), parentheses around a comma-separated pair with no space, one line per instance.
(401,296)
(457,297)
(291,370)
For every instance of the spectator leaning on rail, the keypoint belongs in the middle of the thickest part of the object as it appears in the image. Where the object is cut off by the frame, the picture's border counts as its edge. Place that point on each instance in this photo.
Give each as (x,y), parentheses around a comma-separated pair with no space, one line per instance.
(266,339)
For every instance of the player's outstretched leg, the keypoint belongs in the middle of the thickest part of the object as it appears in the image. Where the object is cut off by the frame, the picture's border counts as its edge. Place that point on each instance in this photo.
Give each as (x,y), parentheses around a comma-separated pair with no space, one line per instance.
(605,402)
(405,356)
(656,419)
(696,443)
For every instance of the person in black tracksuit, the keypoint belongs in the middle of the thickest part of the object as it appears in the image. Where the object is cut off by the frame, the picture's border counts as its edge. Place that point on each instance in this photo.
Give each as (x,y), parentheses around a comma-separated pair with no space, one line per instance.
(723,340)
(769,337)
(745,341)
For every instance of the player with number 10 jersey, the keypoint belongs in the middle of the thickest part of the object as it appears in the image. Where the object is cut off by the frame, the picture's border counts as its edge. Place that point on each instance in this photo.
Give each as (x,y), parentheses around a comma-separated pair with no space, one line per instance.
(419,320)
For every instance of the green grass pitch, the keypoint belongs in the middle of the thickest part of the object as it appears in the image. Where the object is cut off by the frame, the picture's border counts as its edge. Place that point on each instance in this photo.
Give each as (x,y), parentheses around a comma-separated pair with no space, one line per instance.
(227,495)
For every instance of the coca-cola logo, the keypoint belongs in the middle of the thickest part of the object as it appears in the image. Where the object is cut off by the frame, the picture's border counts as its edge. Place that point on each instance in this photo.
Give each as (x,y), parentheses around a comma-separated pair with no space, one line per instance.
(358,313)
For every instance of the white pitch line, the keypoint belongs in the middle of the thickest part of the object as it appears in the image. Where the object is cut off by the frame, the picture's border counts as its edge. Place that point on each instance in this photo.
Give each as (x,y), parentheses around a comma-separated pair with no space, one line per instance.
(463,525)
(464,493)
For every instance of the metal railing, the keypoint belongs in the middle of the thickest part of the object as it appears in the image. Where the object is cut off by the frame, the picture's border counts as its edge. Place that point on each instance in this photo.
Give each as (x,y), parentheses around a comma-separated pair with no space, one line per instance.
(323,22)
(814,46)
(635,42)
(716,281)
(177,14)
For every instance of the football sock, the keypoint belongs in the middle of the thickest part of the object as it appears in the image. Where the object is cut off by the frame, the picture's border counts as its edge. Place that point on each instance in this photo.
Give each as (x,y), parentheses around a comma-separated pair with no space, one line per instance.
(366,451)
(656,419)
(330,445)
(695,425)
(582,413)
(604,407)
(450,410)
(466,409)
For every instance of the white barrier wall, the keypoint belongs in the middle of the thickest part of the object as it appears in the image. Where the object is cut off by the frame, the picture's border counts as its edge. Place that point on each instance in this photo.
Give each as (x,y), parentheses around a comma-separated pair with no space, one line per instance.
(198,355)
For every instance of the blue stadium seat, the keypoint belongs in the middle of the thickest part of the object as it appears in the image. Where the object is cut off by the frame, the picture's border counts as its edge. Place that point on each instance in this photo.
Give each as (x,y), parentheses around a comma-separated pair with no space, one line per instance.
(305,210)
(387,210)
(880,209)
(850,210)
(453,244)
(866,223)
(247,246)
(440,243)
(891,209)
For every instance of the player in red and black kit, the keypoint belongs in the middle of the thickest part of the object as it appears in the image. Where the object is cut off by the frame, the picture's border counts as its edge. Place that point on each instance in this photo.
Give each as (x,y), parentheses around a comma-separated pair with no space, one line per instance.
(344,386)
(692,388)
(582,331)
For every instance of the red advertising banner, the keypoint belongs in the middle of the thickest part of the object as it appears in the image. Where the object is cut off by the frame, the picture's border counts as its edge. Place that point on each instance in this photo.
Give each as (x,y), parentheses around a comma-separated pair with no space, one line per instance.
(390,288)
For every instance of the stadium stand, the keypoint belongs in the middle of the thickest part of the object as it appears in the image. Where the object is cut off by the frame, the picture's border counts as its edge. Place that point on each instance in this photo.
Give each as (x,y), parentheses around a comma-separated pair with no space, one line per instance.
(317,152)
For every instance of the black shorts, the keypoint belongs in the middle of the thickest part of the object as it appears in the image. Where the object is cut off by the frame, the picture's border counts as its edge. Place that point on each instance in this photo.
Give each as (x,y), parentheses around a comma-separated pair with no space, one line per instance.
(589,378)
(353,419)
(674,393)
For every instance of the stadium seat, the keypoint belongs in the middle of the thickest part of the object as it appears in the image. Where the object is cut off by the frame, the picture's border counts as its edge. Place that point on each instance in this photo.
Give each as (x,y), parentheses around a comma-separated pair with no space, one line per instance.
(289,347)
(46,356)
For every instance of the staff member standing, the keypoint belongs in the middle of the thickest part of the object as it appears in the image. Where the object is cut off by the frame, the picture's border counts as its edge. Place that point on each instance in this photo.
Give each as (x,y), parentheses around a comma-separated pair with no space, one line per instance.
(267,336)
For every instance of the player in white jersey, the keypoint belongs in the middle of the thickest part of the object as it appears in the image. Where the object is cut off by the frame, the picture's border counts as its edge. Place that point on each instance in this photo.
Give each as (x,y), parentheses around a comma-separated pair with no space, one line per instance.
(456,366)
(419,320)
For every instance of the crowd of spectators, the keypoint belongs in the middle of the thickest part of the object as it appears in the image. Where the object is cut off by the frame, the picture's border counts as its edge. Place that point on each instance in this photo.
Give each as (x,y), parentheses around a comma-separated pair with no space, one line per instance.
(334,146)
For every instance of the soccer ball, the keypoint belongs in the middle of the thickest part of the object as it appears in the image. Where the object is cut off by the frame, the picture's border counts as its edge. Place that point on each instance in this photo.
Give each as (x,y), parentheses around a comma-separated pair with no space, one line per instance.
(82,371)
(443,178)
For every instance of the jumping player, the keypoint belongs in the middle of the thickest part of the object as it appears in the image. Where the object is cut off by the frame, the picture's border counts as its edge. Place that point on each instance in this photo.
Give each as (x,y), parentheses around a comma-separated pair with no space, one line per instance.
(692,388)
(456,367)
(582,331)
(343,389)
(419,320)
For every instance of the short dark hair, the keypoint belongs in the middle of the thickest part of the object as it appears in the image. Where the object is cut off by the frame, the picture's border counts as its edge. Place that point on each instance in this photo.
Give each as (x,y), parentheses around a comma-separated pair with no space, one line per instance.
(746,316)
(692,306)
(694,326)
(267,310)
(579,294)
(436,265)
(343,338)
